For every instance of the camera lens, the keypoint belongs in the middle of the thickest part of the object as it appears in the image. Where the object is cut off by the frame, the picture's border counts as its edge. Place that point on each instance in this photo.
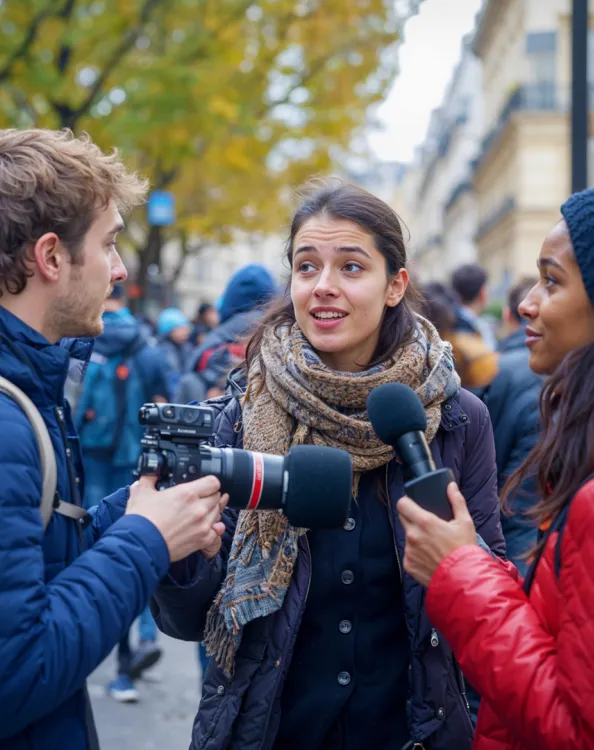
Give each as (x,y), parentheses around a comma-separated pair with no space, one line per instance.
(189,416)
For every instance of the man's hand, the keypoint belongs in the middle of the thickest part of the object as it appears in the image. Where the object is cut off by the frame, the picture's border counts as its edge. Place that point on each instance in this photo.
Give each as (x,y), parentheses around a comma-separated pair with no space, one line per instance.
(429,539)
(187,515)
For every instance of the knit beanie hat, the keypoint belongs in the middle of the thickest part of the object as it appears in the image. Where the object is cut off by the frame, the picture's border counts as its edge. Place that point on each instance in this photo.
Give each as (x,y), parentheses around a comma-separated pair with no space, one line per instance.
(169,320)
(578,212)
(248,288)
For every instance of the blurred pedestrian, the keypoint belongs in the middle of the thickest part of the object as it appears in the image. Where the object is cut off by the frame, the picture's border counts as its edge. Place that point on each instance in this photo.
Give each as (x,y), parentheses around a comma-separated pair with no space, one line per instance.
(317,639)
(247,293)
(527,645)
(469,282)
(206,319)
(513,402)
(175,347)
(476,363)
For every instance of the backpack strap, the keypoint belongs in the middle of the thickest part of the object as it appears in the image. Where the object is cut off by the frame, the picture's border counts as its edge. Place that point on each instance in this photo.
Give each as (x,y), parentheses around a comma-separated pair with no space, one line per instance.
(46,449)
(49,499)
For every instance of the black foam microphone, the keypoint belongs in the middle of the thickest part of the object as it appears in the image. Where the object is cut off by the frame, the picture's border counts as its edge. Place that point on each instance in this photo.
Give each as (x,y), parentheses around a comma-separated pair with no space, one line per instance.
(398,418)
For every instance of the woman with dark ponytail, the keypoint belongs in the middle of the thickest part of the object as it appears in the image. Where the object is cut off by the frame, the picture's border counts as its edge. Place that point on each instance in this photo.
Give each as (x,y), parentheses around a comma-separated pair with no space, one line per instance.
(527,646)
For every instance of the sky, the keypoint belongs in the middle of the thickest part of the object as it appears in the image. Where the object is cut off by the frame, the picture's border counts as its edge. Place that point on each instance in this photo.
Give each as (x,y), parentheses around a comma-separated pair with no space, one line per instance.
(428,57)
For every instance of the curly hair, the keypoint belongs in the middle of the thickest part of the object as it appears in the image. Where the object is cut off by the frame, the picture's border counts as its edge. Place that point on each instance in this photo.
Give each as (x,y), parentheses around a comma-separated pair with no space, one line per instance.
(53,181)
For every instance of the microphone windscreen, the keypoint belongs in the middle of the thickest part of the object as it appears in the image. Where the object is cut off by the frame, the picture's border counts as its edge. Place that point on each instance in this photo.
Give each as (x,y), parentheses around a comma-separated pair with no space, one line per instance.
(320,487)
(395,409)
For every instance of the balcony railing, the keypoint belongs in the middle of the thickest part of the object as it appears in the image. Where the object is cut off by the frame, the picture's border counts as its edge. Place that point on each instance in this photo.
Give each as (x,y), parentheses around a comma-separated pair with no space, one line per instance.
(460,189)
(535,97)
(498,214)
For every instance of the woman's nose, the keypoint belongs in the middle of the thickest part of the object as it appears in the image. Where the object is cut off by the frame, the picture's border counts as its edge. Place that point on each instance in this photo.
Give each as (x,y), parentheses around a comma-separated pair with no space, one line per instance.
(327,285)
(528,307)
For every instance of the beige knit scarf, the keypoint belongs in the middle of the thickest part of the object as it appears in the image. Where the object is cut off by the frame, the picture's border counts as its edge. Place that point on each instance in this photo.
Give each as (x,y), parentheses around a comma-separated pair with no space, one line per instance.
(300,400)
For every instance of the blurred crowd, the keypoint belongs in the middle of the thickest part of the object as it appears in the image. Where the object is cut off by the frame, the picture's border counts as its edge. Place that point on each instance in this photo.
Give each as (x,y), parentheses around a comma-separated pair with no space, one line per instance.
(493,362)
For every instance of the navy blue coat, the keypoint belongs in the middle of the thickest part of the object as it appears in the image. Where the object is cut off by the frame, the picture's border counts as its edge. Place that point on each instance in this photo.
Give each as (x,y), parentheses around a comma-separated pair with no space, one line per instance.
(244,713)
(513,402)
(61,612)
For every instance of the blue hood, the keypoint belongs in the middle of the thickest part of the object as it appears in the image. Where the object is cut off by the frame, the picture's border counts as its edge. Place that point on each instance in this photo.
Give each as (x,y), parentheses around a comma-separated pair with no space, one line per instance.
(121,330)
(248,288)
(31,362)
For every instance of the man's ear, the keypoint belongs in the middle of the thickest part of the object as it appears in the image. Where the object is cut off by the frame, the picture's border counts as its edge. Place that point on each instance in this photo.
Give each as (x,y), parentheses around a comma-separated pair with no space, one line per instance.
(398,285)
(48,256)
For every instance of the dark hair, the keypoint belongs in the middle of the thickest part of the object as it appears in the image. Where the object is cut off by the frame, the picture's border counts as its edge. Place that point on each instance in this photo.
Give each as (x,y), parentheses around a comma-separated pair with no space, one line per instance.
(467,282)
(438,306)
(351,203)
(564,454)
(204,308)
(517,293)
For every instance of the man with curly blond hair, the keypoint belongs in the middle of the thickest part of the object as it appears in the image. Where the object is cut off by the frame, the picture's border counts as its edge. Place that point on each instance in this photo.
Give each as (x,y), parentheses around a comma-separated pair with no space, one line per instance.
(69,592)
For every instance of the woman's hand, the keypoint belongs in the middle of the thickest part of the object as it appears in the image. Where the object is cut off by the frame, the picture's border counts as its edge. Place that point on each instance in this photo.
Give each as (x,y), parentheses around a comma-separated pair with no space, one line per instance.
(429,539)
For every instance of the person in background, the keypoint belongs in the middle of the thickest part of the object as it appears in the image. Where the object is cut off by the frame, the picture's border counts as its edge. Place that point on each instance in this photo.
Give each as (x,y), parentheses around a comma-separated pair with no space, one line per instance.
(476,363)
(469,282)
(526,645)
(174,347)
(513,402)
(247,292)
(206,319)
(124,373)
(317,639)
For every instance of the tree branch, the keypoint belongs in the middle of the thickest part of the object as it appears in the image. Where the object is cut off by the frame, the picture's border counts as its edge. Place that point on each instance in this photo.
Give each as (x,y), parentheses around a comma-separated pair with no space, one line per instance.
(29,38)
(70,117)
(65,53)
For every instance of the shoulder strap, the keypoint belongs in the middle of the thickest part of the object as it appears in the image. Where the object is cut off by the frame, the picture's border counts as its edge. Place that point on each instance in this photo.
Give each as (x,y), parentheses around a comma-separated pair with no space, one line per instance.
(46,449)
(558,525)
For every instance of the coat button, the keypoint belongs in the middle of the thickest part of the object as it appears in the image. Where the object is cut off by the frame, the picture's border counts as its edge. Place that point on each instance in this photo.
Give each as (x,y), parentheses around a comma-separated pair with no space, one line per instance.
(221,690)
(345,626)
(347,577)
(349,524)
(344,678)
(464,419)
(440,713)
(448,407)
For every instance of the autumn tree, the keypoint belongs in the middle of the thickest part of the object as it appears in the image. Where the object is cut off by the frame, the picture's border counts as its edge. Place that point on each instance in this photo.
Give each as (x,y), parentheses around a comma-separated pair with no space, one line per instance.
(224,103)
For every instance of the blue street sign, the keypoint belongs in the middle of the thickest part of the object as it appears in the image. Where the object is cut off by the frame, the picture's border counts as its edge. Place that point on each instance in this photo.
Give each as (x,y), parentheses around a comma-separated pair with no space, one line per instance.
(160,209)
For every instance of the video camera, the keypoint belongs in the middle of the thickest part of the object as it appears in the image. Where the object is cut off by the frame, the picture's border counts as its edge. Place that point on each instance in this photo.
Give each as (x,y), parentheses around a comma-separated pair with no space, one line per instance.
(312,484)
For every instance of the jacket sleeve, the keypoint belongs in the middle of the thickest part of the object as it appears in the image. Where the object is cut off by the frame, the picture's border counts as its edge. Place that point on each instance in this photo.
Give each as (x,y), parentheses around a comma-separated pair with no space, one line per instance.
(478,481)
(540,687)
(53,635)
(182,600)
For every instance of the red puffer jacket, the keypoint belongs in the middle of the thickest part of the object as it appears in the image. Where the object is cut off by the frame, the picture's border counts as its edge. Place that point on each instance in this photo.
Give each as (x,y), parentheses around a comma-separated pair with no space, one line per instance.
(531,658)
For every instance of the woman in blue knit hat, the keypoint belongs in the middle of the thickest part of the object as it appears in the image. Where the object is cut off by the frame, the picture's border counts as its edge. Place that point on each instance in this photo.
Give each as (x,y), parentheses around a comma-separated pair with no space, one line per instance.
(173,330)
(526,646)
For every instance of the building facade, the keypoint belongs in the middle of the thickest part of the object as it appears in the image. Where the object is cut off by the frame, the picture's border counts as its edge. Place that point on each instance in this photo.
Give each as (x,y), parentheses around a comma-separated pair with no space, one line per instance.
(435,196)
(522,172)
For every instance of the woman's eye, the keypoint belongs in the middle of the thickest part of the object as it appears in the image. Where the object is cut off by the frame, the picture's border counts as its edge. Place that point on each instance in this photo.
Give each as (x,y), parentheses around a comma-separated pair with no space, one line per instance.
(549,281)
(306,267)
(352,267)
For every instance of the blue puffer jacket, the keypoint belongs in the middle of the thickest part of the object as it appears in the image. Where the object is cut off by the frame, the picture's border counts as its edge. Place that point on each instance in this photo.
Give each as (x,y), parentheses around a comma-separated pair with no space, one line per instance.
(244,713)
(148,378)
(61,612)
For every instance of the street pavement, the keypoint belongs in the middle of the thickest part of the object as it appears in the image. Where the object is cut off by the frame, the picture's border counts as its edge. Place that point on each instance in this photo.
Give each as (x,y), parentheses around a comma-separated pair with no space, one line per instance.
(162,719)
